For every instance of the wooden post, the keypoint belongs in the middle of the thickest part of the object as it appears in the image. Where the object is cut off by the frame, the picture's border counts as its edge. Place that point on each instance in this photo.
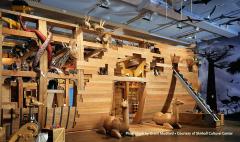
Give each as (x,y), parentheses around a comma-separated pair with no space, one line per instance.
(20,92)
(126,90)
(1,42)
(42,27)
(138,117)
(67,91)
(80,80)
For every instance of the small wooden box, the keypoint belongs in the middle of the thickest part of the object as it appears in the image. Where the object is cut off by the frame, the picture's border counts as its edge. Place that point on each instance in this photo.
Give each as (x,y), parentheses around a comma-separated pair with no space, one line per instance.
(56,135)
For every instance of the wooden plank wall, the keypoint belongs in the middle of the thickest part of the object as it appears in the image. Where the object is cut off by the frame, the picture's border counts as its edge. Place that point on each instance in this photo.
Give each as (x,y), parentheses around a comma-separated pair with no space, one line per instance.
(98,93)
(159,87)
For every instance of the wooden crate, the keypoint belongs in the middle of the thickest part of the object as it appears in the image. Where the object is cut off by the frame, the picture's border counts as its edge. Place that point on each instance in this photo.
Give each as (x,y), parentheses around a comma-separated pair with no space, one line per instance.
(56,135)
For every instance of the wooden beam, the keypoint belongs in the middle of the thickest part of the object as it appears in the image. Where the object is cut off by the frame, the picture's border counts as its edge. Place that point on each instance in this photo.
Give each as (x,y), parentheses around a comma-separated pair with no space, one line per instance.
(127,38)
(42,27)
(67,91)
(138,117)
(61,76)
(9,44)
(7,31)
(60,38)
(57,38)
(50,21)
(92,45)
(133,79)
(139,16)
(126,92)
(52,91)
(18,73)
(27,85)
(94,53)
(80,82)
(9,61)
(126,59)
(20,92)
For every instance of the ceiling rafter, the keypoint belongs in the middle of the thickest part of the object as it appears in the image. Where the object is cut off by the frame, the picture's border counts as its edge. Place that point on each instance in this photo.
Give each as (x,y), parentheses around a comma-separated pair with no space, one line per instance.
(112,25)
(139,16)
(209,27)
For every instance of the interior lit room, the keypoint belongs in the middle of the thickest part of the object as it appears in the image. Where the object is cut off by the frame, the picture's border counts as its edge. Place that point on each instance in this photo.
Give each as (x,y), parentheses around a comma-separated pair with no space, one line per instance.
(119,70)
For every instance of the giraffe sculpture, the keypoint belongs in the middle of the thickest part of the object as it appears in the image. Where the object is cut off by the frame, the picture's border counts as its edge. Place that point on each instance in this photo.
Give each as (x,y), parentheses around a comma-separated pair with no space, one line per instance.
(169,120)
(115,126)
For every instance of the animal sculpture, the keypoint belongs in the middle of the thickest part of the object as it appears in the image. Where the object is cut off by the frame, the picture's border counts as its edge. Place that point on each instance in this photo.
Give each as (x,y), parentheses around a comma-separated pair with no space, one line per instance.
(169,120)
(40,52)
(41,37)
(138,72)
(27,133)
(87,22)
(115,126)
(99,27)
(11,23)
(21,6)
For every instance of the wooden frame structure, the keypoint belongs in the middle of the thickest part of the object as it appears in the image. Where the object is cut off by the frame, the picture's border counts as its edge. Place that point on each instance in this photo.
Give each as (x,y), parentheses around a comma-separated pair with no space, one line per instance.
(93,94)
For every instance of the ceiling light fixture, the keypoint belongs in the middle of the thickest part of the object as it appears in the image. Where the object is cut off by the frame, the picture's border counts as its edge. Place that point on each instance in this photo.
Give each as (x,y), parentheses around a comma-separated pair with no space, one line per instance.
(103,3)
(197,28)
(179,25)
(148,16)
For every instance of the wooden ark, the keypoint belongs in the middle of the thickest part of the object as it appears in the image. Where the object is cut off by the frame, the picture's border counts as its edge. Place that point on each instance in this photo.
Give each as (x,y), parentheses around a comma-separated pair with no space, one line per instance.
(123,67)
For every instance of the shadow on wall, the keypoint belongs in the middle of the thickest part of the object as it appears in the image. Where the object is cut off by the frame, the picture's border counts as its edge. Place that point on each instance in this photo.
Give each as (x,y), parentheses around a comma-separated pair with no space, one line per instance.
(227,74)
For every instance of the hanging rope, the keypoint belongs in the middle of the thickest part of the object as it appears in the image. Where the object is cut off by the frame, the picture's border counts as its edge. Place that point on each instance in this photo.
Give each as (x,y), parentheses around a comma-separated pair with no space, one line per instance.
(166,10)
(191,6)
(181,10)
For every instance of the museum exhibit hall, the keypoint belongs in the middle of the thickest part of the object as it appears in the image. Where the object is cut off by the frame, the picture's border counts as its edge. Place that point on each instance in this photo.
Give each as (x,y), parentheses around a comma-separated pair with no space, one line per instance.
(119,70)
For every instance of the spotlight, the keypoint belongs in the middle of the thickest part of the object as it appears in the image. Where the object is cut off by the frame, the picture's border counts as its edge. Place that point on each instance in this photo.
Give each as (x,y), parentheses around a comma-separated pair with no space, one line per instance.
(179,25)
(103,3)
(148,16)
(197,28)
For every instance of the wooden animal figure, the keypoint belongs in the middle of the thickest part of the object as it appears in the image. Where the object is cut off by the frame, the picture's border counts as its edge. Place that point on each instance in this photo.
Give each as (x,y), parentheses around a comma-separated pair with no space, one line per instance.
(105,39)
(27,133)
(140,70)
(124,71)
(32,101)
(115,126)
(190,63)
(21,6)
(40,53)
(99,27)
(175,59)
(12,23)
(87,23)
(169,120)
(74,49)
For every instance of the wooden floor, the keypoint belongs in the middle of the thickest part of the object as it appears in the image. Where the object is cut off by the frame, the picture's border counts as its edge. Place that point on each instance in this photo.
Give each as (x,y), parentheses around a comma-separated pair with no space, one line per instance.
(230,126)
